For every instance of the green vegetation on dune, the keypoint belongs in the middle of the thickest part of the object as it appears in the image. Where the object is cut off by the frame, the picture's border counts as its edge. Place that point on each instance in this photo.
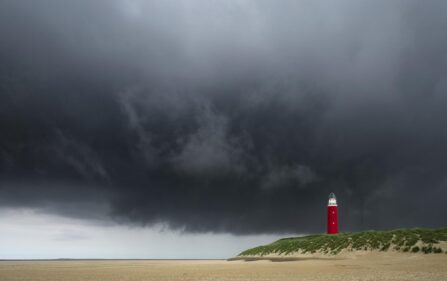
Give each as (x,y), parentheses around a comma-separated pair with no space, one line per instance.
(402,240)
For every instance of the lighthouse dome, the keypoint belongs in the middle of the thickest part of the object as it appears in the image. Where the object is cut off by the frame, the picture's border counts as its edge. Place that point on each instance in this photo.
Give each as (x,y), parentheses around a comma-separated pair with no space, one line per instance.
(332,200)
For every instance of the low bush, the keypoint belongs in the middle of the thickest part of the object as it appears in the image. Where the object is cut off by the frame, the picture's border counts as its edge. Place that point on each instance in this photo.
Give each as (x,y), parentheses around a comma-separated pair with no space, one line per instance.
(403,240)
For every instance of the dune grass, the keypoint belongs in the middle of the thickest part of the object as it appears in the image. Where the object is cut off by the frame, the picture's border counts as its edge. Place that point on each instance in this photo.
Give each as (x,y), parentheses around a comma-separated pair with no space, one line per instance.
(402,240)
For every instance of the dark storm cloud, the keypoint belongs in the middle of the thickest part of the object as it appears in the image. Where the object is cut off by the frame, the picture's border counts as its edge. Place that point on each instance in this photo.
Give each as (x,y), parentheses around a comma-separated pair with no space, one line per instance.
(232,116)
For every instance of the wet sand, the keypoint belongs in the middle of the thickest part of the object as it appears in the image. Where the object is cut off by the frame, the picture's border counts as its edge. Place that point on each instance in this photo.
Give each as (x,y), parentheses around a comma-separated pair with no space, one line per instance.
(373,266)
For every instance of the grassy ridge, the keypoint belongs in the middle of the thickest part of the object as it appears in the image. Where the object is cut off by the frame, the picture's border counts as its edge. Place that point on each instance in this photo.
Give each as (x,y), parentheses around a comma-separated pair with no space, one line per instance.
(404,240)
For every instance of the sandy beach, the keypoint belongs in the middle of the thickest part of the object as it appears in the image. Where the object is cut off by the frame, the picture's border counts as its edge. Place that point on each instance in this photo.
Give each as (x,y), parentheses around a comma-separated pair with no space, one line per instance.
(371,266)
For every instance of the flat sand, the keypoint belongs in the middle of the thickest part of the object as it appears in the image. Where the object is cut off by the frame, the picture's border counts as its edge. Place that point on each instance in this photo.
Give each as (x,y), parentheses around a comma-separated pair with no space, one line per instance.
(374,266)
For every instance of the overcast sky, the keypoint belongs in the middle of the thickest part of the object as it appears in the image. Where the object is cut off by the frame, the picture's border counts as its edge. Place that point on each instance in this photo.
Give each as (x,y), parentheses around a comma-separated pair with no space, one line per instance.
(228,122)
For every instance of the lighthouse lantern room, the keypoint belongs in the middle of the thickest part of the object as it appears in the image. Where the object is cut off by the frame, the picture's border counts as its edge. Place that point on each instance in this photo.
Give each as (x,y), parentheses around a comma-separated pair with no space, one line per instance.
(332,215)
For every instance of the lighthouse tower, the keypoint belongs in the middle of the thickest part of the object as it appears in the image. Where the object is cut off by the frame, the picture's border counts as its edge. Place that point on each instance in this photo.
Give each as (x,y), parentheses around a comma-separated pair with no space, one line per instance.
(332,215)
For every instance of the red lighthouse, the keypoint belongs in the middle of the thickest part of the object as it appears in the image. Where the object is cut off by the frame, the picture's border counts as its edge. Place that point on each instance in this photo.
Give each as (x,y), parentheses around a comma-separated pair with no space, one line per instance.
(332,215)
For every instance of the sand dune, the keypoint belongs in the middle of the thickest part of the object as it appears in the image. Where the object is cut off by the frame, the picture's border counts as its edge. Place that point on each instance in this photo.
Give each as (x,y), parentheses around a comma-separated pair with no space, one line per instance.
(372,266)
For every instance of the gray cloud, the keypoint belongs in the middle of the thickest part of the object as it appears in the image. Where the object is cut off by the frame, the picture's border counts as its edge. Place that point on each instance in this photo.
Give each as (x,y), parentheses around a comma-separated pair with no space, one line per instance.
(209,150)
(297,175)
(235,116)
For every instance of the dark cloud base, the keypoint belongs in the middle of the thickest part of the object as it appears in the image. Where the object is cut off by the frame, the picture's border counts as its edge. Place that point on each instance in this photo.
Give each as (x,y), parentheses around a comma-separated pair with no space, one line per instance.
(236,121)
